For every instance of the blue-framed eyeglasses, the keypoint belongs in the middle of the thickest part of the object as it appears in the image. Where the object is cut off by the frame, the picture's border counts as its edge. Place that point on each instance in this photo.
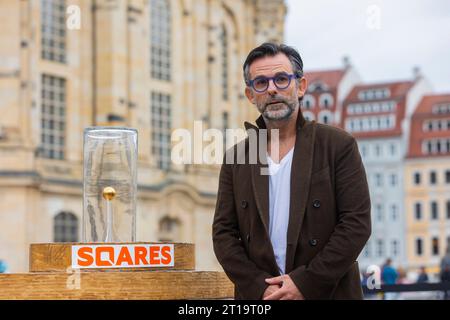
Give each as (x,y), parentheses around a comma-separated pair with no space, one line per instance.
(280,80)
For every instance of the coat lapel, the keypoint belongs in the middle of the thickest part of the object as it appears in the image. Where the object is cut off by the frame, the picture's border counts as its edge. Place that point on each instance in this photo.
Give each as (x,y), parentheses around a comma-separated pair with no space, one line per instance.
(300,180)
(260,182)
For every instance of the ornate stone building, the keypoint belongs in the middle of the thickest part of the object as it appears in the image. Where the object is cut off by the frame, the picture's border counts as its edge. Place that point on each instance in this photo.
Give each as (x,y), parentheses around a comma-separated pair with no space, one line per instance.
(154,65)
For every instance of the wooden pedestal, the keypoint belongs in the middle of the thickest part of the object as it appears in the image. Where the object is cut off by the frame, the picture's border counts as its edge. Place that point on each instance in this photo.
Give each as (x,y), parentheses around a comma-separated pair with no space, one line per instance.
(51,277)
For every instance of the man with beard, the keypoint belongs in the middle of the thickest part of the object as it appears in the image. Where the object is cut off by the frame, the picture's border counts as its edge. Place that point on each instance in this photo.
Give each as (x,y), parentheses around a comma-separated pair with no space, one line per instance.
(294,233)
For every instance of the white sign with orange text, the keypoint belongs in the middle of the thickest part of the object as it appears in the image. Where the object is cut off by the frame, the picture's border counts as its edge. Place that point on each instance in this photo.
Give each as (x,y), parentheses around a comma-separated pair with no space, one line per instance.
(123,256)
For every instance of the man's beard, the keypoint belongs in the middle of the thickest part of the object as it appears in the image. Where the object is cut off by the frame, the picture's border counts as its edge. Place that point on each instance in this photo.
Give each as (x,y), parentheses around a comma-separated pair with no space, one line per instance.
(277,111)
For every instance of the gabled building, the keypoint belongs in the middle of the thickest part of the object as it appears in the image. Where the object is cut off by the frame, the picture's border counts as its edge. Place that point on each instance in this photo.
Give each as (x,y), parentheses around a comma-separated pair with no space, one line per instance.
(326,92)
(427,183)
(377,115)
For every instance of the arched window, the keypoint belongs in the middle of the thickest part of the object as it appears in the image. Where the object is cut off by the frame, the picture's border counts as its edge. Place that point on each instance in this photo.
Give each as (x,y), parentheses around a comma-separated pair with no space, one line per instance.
(160,39)
(325,117)
(309,115)
(308,102)
(326,100)
(65,227)
(169,229)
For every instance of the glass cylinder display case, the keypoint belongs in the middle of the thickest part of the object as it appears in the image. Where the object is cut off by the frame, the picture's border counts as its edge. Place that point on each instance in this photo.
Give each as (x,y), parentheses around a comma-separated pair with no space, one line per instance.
(109,186)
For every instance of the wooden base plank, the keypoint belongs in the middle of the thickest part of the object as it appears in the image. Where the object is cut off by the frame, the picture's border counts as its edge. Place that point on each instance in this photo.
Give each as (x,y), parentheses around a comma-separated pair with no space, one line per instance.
(136,285)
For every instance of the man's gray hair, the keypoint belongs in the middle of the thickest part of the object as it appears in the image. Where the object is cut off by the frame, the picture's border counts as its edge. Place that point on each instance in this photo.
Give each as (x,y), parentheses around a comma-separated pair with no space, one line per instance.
(272,49)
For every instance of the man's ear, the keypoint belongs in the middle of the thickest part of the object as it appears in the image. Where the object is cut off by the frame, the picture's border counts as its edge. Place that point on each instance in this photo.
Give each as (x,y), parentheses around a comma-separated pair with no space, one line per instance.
(302,86)
(250,95)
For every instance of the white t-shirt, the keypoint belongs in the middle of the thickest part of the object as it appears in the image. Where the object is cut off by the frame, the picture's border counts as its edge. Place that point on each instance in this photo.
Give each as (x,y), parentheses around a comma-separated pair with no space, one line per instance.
(279,199)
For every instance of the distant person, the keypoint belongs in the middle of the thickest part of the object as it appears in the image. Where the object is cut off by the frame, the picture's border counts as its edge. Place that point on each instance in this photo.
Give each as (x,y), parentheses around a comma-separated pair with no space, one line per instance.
(389,276)
(445,270)
(401,275)
(3,266)
(423,276)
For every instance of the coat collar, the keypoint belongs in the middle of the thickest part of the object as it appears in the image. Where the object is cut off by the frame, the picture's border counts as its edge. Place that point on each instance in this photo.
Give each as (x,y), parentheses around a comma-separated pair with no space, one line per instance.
(300,181)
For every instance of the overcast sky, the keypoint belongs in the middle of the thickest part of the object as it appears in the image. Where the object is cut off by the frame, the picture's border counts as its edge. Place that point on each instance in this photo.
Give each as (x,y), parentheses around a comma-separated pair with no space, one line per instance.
(384,39)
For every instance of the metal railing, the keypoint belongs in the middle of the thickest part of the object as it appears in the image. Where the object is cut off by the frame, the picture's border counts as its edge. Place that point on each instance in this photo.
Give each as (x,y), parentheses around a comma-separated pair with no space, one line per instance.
(410,287)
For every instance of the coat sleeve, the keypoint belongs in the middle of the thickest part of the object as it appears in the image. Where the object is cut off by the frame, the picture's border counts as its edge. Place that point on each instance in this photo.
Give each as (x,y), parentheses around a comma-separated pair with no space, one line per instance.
(228,247)
(318,279)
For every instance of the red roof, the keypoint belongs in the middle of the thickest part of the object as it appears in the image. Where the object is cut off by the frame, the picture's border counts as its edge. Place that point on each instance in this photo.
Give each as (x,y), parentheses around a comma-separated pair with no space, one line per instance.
(397,89)
(329,77)
(426,104)
(422,114)
(330,80)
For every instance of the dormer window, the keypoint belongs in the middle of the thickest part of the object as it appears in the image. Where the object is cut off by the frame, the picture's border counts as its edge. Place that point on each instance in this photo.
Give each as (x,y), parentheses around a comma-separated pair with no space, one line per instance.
(374,94)
(317,87)
(441,108)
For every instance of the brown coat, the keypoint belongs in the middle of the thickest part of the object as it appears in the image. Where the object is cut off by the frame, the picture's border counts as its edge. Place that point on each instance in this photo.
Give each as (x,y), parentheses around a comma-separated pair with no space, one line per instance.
(329,219)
